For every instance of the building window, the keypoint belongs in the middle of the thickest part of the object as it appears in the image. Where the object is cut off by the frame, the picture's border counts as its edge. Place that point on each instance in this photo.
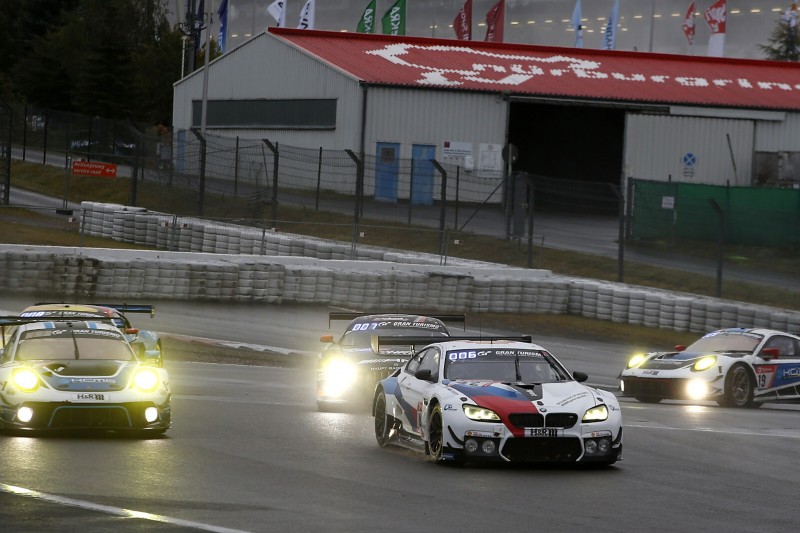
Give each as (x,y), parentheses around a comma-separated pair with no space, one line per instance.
(266,114)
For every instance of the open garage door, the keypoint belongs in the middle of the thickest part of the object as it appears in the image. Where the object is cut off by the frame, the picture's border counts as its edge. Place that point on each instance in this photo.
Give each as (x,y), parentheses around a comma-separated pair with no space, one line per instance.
(574,151)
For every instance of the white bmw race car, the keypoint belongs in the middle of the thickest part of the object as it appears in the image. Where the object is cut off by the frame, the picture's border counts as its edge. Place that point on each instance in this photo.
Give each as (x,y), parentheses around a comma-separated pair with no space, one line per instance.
(496,400)
(78,375)
(735,367)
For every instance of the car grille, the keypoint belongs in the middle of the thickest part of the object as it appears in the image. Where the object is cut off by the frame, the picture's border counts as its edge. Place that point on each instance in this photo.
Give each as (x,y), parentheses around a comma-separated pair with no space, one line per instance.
(542,450)
(538,420)
(656,388)
(70,416)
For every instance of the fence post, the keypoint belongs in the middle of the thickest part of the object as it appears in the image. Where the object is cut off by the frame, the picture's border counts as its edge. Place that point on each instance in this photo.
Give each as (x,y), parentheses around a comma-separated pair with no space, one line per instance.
(621,229)
(135,170)
(202,170)
(44,146)
(24,131)
(531,210)
(458,185)
(319,178)
(357,210)
(721,243)
(236,169)
(275,165)
(443,211)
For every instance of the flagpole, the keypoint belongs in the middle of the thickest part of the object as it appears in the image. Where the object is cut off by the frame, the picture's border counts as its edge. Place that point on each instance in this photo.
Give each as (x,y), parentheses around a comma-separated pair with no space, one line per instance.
(652,23)
(205,70)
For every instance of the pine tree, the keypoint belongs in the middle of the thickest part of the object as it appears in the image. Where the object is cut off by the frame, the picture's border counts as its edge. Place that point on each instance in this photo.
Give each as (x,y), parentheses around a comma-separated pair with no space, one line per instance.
(784,42)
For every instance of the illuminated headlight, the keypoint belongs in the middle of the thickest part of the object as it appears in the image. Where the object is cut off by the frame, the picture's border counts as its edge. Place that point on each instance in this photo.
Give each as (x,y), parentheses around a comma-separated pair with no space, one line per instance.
(596,414)
(24,414)
(146,380)
(696,389)
(151,414)
(26,380)
(636,360)
(339,375)
(704,363)
(479,413)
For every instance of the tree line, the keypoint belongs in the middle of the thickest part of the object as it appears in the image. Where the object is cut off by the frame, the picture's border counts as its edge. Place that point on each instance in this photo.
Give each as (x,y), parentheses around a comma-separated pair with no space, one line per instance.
(115,59)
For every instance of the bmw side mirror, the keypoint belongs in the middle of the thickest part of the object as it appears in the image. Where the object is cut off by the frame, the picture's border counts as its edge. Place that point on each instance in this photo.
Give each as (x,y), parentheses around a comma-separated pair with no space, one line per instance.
(580,377)
(424,374)
(770,353)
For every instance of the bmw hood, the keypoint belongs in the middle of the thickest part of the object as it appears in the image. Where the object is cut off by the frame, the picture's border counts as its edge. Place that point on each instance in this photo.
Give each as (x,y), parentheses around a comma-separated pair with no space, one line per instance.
(507,398)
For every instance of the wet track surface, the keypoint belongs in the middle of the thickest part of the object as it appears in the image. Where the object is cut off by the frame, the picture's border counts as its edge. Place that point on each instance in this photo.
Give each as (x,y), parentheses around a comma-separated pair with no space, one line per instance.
(249,452)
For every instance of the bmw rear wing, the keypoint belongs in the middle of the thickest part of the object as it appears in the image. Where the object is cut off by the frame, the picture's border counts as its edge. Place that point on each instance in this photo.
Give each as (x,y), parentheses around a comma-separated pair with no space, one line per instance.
(397,340)
(122,308)
(336,315)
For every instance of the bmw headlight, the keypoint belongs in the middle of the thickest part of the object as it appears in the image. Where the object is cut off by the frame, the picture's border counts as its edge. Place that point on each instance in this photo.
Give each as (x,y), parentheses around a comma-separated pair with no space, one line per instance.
(25,380)
(480,414)
(636,360)
(146,380)
(704,363)
(596,414)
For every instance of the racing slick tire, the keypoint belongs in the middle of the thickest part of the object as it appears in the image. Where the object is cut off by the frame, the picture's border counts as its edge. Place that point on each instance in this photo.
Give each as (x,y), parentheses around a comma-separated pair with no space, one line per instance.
(739,387)
(436,434)
(648,399)
(382,424)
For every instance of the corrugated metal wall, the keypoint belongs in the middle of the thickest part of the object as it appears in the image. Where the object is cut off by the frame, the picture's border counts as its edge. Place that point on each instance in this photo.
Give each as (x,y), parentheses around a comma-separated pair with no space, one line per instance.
(689,149)
(779,136)
(413,116)
(266,67)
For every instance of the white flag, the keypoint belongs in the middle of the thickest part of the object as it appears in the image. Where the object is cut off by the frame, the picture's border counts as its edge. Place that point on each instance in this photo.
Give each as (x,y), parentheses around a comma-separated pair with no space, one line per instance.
(278,11)
(307,16)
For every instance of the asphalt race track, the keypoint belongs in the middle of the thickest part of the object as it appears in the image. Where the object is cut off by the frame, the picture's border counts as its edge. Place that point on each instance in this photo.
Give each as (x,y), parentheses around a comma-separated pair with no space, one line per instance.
(248,451)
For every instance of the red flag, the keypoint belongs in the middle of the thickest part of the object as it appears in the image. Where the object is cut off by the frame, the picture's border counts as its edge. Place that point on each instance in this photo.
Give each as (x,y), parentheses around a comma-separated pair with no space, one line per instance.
(463,22)
(715,16)
(495,20)
(688,25)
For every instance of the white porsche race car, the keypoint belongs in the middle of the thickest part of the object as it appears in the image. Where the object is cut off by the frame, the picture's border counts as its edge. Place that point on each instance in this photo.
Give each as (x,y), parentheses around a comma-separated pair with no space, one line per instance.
(735,367)
(78,375)
(496,399)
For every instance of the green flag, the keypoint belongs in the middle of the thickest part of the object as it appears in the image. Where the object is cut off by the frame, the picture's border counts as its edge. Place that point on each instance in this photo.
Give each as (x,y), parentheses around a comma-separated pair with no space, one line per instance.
(394,20)
(367,22)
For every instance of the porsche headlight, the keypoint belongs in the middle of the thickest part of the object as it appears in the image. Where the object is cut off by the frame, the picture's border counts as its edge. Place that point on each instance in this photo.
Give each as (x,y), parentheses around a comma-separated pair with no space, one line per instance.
(480,414)
(25,380)
(636,360)
(146,380)
(596,414)
(704,363)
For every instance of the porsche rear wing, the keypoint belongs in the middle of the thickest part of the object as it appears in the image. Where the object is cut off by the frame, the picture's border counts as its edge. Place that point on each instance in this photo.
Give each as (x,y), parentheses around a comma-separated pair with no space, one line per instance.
(122,308)
(397,340)
(13,321)
(455,318)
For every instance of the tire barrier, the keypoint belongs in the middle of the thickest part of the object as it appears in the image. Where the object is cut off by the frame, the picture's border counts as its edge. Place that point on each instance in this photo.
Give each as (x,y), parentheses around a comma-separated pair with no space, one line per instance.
(59,273)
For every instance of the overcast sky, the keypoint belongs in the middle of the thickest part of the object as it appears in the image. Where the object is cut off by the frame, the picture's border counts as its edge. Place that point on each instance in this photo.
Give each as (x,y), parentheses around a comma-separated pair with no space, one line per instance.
(644,25)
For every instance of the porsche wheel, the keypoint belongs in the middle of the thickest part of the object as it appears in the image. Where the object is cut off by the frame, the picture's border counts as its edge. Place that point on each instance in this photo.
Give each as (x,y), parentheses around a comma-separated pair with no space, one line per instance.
(739,387)
(382,425)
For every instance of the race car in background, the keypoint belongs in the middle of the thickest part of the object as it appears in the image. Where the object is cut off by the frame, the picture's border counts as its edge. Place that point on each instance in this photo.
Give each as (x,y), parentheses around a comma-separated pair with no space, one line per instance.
(60,374)
(146,343)
(349,368)
(736,367)
(495,399)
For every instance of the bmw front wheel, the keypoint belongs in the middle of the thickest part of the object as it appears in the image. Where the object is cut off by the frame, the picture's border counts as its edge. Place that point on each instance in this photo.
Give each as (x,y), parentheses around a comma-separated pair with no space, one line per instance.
(382,425)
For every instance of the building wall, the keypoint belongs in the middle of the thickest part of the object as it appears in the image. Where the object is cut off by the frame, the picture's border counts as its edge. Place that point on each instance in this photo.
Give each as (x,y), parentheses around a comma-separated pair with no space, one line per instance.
(660,147)
(268,68)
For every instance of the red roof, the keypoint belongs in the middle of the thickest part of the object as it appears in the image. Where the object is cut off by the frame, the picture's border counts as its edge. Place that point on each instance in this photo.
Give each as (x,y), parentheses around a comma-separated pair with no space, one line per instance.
(550,71)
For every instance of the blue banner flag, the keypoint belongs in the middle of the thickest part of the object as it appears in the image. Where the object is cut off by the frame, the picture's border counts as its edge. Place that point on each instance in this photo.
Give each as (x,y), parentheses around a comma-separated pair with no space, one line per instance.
(223,24)
(610,34)
(576,24)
